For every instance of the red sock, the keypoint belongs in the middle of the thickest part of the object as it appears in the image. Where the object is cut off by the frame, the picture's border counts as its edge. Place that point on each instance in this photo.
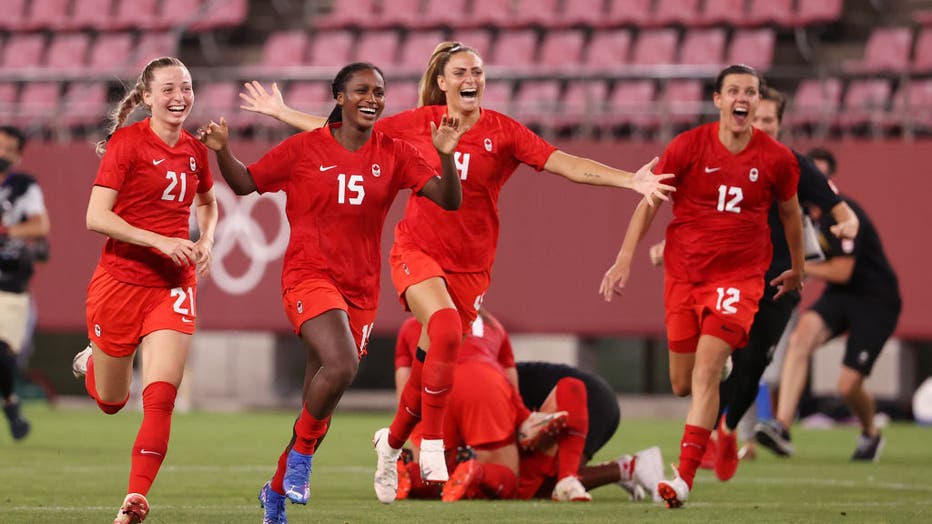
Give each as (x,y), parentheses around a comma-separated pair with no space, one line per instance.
(572,398)
(445,330)
(90,383)
(278,478)
(158,401)
(409,409)
(692,447)
(308,431)
(498,482)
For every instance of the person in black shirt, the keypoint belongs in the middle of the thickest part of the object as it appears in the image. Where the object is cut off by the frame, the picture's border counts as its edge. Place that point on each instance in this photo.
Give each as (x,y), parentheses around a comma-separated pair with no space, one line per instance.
(24,225)
(861,299)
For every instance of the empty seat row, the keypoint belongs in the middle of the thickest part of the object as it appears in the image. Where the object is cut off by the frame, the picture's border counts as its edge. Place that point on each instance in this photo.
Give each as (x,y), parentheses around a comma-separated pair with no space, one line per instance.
(891,50)
(50,104)
(419,14)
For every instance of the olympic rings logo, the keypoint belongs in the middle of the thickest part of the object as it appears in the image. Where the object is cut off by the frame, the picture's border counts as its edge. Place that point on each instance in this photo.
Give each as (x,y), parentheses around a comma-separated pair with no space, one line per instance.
(238,228)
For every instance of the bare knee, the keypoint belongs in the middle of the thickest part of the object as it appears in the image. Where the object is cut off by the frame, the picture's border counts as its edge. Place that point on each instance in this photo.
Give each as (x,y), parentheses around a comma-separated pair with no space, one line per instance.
(682,386)
(850,384)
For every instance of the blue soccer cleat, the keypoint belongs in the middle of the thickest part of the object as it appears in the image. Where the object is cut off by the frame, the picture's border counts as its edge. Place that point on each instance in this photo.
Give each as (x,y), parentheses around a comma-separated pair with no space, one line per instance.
(297,477)
(274,505)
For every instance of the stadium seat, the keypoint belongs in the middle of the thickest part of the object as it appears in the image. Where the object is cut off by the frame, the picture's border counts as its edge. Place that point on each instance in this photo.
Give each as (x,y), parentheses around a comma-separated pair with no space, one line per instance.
(561,48)
(728,12)
(38,104)
(655,47)
(754,47)
(68,52)
(222,14)
(676,12)
(589,13)
(703,47)
(287,48)
(90,14)
(771,12)
(810,12)
(815,103)
(635,13)
(537,102)
(922,62)
(84,104)
(923,17)
(912,106)
(213,100)
(23,51)
(9,92)
(416,50)
(398,13)
(542,13)
(400,96)
(448,13)
(497,96)
(378,47)
(485,13)
(865,103)
(887,51)
(330,48)
(609,49)
(152,45)
(583,102)
(177,14)
(682,102)
(110,52)
(515,49)
(631,103)
(14,16)
(134,14)
(345,14)
(46,14)
(478,39)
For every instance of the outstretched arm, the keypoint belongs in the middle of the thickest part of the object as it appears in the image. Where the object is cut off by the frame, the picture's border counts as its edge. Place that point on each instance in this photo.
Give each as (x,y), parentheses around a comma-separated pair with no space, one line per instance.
(216,137)
(258,100)
(446,191)
(587,171)
(617,276)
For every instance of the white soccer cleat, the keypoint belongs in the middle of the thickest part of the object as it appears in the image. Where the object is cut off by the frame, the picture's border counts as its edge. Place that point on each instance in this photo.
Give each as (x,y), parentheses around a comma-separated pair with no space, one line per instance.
(626,464)
(570,489)
(648,470)
(673,492)
(79,362)
(134,510)
(433,461)
(386,472)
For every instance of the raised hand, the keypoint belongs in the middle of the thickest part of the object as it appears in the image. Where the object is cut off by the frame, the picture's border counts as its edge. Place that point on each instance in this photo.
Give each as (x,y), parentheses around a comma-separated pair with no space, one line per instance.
(447,135)
(258,100)
(614,280)
(215,136)
(648,184)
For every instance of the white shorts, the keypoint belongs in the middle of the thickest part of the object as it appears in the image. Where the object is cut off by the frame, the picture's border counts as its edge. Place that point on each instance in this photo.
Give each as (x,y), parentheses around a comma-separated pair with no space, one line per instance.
(14,316)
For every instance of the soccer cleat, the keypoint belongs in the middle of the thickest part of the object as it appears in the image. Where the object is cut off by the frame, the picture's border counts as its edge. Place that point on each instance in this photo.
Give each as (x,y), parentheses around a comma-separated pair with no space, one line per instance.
(726,458)
(79,362)
(627,463)
(868,448)
(19,426)
(538,426)
(386,469)
(297,477)
(673,492)
(773,436)
(433,461)
(748,451)
(134,510)
(709,457)
(274,505)
(404,480)
(464,482)
(648,470)
(570,489)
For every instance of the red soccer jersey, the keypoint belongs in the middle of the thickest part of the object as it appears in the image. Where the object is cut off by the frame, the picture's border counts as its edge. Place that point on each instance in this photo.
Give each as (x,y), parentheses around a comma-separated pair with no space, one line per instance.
(337,202)
(156,184)
(719,230)
(488,342)
(486,156)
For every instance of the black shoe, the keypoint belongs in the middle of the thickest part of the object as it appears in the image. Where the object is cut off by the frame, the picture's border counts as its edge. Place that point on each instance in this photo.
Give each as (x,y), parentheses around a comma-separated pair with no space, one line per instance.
(19,426)
(869,448)
(464,454)
(773,436)
(407,456)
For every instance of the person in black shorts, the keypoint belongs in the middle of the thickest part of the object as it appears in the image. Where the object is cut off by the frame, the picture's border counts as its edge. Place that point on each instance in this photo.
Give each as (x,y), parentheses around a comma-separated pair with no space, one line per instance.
(861,299)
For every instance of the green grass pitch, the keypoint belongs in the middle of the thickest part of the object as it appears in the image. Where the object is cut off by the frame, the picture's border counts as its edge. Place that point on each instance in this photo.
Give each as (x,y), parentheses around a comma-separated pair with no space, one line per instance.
(74,467)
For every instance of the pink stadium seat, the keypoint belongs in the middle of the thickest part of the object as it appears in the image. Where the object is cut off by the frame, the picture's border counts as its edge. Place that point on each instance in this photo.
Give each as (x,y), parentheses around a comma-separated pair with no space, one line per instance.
(865,103)
(8,95)
(703,47)
(478,39)
(809,12)
(887,51)
(68,52)
(561,48)
(47,14)
(134,14)
(676,12)
(515,49)
(23,51)
(377,47)
(912,105)
(654,47)
(152,45)
(754,47)
(583,102)
(222,14)
(331,48)
(110,52)
(285,48)
(38,104)
(497,95)
(313,97)
(346,13)
(90,14)
(682,101)
(608,49)
(441,14)
(922,62)
(84,104)
(543,13)
(923,17)
(771,12)
(635,13)
(398,13)
(537,102)
(816,102)
(631,103)
(213,100)
(590,13)
(484,13)
(416,50)
(400,96)
(729,12)
(14,15)
(177,13)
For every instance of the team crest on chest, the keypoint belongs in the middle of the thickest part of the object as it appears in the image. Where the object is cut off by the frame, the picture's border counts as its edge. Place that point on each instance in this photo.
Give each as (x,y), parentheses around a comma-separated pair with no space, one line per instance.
(376,170)
(192,163)
(488,144)
(753,175)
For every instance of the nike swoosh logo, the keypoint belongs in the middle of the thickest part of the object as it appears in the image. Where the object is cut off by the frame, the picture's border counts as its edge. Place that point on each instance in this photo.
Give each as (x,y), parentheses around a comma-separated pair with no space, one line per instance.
(328,168)
(157,162)
(711,169)
(147,452)
(434,391)
(186,320)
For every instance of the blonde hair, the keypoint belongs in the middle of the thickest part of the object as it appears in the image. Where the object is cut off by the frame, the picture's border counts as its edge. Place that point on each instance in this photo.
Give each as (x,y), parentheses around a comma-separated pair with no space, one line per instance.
(429,93)
(133,97)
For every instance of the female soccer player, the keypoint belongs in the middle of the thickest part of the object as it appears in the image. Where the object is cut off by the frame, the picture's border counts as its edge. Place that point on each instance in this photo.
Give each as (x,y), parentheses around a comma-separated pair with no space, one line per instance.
(717,251)
(441,262)
(142,294)
(340,180)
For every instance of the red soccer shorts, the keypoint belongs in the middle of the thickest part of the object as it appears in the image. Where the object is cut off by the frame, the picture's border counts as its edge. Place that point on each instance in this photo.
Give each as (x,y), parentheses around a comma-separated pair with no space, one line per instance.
(120,314)
(310,298)
(538,472)
(723,309)
(411,266)
(480,409)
